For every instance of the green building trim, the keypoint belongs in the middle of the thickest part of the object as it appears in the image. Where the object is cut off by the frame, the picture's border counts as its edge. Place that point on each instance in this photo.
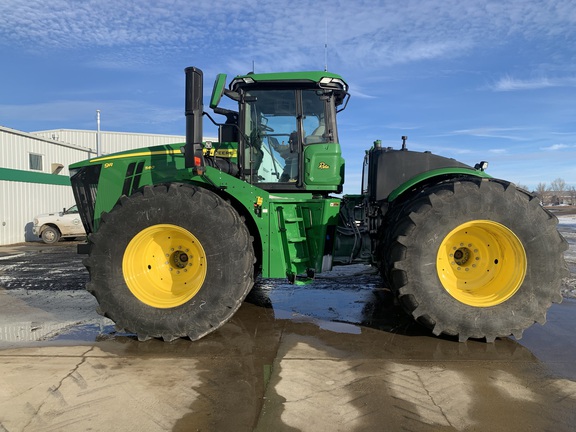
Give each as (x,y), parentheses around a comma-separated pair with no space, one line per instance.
(33,177)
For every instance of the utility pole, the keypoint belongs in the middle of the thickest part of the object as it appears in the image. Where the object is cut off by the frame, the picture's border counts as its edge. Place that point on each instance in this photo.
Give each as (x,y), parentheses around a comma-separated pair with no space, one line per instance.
(98,142)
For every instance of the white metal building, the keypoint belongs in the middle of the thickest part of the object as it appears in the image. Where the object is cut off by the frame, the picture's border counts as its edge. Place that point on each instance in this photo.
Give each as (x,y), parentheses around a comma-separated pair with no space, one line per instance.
(110,142)
(34,171)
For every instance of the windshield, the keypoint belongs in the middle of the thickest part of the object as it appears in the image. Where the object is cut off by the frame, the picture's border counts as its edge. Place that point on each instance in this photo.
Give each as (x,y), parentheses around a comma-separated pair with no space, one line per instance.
(278,123)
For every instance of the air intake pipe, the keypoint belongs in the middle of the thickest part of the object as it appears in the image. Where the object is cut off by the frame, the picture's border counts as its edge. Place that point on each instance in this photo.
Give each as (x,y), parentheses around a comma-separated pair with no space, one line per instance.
(194,109)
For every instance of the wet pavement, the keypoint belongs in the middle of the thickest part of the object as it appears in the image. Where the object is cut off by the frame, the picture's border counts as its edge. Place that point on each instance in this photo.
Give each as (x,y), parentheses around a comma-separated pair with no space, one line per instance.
(336,355)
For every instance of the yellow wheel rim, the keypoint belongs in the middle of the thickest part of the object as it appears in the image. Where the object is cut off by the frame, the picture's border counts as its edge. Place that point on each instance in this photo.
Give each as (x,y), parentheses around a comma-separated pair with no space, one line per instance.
(481,263)
(164,266)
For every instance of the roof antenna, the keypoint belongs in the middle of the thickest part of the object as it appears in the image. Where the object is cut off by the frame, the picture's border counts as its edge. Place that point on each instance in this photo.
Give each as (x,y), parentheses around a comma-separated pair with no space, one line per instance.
(325,44)
(253,67)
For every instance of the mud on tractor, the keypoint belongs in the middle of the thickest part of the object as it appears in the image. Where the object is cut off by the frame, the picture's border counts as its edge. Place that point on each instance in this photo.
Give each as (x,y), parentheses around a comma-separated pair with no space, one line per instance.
(178,233)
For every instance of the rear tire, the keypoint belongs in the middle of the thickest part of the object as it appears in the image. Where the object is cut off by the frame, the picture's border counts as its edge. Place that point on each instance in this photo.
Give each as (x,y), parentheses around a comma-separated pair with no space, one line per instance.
(170,261)
(474,258)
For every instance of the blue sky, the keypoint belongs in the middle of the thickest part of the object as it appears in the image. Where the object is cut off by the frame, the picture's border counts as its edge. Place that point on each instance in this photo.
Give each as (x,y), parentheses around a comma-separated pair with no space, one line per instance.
(473,80)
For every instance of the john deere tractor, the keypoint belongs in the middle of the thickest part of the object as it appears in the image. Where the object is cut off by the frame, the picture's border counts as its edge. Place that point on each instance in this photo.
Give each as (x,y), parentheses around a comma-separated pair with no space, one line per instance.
(177,234)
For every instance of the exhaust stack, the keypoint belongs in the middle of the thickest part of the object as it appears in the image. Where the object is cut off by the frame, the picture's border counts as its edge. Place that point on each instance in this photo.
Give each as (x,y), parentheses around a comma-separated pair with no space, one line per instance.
(194,109)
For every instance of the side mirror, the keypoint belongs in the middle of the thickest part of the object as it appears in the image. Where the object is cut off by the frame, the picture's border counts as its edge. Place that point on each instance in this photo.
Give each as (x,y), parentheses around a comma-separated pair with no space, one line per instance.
(218,90)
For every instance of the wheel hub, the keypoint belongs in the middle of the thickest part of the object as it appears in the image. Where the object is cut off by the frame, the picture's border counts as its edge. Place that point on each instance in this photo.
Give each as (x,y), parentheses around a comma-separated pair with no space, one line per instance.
(180,259)
(461,256)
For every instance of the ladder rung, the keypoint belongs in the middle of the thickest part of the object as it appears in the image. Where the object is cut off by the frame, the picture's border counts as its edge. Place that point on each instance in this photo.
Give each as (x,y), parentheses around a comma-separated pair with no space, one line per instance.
(297,239)
(299,259)
(293,219)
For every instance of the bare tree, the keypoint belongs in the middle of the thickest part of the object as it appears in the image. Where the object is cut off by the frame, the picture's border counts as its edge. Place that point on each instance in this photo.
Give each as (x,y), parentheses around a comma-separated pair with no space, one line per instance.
(542,193)
(558,187)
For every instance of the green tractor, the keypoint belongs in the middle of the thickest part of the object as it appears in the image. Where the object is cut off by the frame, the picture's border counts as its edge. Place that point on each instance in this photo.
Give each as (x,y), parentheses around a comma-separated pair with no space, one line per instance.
(177,234)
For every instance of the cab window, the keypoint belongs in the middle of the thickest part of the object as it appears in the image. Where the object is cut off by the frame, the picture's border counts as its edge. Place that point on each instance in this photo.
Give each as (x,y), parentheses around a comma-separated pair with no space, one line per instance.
(277,123)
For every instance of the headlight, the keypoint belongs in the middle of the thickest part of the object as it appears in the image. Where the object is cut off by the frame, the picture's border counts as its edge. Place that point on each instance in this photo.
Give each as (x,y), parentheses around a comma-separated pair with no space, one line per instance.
(481,166)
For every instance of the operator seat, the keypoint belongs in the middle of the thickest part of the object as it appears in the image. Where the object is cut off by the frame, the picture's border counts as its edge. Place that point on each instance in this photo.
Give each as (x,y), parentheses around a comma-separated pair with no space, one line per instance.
(317,136)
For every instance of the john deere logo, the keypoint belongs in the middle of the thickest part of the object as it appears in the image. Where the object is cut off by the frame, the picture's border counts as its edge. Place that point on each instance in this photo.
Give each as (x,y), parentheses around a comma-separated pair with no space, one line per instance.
(323,166)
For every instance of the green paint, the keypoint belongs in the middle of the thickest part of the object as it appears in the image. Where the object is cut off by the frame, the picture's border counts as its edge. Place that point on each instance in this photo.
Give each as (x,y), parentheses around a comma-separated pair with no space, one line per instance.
(434,173)
(218,90)
(313,76)
(323,167)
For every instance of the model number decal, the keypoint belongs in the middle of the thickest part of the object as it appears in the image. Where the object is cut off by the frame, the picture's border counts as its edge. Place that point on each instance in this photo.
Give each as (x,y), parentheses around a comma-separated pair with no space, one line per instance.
(224,153)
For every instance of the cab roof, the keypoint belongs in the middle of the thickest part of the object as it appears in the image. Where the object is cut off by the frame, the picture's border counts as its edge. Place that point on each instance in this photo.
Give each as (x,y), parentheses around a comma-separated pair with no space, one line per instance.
(322,78)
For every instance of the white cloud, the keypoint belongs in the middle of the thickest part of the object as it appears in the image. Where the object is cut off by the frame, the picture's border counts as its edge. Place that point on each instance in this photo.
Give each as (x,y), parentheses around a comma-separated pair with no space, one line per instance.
(508,83)
(490,132)
(280,35)
(555,147)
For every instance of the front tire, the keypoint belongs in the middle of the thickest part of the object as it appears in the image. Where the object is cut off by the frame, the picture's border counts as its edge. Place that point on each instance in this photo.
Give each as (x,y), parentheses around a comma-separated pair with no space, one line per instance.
(50,235)
(474,258)
(170,261)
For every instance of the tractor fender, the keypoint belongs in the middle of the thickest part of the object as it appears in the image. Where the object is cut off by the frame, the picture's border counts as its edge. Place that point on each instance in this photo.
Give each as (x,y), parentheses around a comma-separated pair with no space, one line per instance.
(434,176)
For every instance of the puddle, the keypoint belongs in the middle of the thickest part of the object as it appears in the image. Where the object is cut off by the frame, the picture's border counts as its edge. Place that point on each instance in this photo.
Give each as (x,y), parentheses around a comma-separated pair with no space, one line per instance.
(90,333)
(342,301)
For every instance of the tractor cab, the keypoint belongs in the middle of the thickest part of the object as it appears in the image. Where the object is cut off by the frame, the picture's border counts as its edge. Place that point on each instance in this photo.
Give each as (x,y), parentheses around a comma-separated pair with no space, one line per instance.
(284,132)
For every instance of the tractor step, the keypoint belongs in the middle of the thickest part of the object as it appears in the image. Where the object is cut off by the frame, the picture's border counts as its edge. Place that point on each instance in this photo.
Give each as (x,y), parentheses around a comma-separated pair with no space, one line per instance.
(294,230)
(301,279)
